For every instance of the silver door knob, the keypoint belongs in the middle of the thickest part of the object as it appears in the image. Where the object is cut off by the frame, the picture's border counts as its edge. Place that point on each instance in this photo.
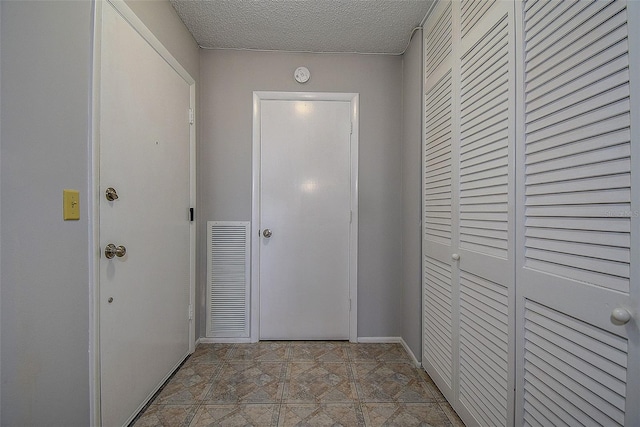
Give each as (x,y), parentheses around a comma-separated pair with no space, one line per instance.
(111,194)
(620,316)
(266,233)
(112,250)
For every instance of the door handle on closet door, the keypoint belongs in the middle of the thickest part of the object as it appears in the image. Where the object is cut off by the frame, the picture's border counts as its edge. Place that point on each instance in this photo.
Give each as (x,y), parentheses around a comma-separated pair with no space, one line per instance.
(620,316)
(266,233)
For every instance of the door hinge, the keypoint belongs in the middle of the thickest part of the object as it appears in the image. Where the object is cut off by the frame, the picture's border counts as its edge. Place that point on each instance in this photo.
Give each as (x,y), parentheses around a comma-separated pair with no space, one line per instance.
(190,312)
(351,130)
(191,214)
(350,217)
(191,118)
(349,305)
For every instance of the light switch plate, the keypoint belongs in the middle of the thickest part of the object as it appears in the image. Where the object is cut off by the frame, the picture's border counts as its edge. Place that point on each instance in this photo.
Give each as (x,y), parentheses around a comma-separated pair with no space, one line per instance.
(71,204)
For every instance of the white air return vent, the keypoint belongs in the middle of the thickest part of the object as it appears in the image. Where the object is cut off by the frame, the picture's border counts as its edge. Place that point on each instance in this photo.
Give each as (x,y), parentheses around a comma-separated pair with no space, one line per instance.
(228,279)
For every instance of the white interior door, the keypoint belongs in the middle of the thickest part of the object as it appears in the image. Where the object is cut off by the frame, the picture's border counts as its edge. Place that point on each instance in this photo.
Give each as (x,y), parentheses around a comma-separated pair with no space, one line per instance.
(578,270)
(305,193)
(144,156)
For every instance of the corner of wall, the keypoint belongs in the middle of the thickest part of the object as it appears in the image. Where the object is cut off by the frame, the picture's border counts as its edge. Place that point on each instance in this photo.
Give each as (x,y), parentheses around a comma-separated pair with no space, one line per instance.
(411,192)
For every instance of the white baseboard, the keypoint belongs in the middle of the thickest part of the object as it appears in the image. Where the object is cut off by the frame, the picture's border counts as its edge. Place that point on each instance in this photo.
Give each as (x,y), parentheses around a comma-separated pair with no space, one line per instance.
(205,340)
(413,357)
(380,339)
(394,340)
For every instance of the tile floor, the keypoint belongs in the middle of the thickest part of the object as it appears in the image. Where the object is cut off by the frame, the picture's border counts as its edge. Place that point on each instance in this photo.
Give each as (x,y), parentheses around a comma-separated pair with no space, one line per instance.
(299,383)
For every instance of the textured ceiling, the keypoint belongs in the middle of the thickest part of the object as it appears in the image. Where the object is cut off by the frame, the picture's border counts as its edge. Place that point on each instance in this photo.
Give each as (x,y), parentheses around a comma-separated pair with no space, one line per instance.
(364,26)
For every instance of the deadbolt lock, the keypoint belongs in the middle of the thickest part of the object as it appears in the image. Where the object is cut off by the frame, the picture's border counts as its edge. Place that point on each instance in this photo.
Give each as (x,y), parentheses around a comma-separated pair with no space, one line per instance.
(111,194)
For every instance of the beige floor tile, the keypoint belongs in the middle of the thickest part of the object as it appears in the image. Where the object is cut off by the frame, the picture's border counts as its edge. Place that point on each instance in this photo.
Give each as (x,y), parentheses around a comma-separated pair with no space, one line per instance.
(307,383)
(451,414)
(319,351)
(189,385)
(404,415)
(166,415)
(210,353)
(368,352)
(236,415)
(317,382)
(431,386)
(263,351)
(321,415)
(390,382)
(248,382)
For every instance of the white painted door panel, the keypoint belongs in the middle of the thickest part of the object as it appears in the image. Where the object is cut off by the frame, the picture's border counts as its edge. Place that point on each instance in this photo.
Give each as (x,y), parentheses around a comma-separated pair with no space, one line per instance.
(439,214)
(144,155)
(578,217)
(486,226)
(468,226)
(305,203)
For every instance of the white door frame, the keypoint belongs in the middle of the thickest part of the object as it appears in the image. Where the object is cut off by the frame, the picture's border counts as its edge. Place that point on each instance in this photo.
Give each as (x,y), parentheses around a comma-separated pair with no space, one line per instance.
(354,99)
(94,191)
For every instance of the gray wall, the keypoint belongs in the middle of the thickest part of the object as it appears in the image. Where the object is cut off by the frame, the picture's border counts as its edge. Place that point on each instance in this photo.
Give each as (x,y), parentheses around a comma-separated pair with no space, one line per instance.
(412,194)
(45,100)
(228,79)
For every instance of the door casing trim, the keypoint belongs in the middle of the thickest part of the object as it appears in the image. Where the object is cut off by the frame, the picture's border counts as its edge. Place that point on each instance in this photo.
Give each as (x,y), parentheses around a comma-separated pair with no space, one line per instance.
(354,100)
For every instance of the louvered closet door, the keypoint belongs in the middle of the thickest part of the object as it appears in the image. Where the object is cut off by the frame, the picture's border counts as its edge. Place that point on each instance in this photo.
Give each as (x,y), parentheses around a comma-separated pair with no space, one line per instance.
(486,227)
(438,212)
(578,213)
(468,223)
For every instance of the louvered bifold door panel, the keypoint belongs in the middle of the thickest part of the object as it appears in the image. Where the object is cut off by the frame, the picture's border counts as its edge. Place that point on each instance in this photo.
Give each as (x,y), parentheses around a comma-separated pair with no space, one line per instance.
(437,210)
(577,216)
(468,192)
(486,225)
(574,373)
(484,142)
(484,346)
(473,11)
(437,162)
(578,178)
(438,130)
(228,267)
(437,317)
(437,42)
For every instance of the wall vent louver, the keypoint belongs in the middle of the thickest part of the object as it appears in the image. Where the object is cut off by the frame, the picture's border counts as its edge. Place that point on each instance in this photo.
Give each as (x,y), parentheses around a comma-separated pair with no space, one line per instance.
(228,279)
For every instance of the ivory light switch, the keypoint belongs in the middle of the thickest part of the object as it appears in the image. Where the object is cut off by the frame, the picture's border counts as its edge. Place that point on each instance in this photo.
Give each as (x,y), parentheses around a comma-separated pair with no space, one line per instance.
(71,204)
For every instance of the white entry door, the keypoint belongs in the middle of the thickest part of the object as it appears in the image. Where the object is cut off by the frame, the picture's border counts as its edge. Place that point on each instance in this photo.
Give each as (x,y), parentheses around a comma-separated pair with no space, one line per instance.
(144,157)
(305,191)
